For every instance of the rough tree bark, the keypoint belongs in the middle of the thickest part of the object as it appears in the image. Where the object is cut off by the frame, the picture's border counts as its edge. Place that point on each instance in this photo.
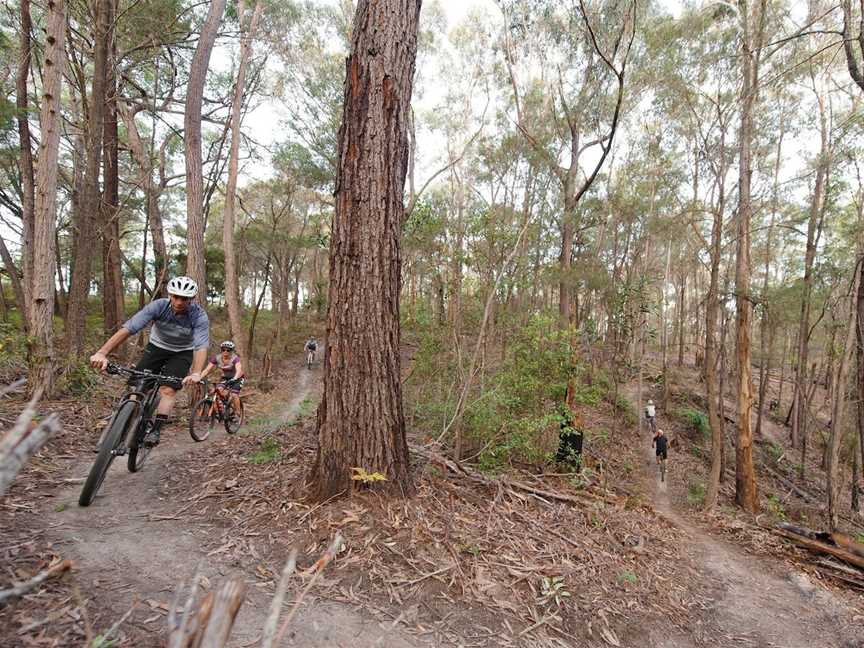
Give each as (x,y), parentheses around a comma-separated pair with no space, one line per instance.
(113,310)
(746,493)
(232,292)
(25,162)
(192,135)
(86,216)
(45,207)
(360,419)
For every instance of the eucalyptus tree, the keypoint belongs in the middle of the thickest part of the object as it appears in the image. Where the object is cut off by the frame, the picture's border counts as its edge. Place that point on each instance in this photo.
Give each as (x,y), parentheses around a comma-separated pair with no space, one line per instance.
(360,419)
(584,48)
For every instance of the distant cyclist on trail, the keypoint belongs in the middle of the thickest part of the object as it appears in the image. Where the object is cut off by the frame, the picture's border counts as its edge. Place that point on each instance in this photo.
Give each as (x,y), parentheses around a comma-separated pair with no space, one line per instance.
(232,371)
(651,414)
(661,448)
(311,346)
(178,340)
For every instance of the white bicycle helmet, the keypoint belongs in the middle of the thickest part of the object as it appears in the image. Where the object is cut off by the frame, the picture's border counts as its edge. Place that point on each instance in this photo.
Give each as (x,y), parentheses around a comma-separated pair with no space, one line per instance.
(227,344)
(182,287)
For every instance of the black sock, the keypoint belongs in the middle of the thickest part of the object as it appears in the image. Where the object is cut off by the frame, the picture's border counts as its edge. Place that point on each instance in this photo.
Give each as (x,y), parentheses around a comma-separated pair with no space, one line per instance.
(159,421)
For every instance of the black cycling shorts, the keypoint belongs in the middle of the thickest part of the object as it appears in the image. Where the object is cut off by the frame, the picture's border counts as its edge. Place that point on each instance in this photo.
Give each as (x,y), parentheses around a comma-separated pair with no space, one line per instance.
(165,362)
(662,453)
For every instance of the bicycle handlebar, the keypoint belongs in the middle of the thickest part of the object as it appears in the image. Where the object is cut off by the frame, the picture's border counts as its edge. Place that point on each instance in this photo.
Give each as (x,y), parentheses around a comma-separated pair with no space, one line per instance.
(118,369)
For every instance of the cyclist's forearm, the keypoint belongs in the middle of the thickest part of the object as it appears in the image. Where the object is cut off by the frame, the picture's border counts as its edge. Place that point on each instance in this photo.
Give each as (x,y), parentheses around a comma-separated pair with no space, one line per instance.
(199,357)
(115,340)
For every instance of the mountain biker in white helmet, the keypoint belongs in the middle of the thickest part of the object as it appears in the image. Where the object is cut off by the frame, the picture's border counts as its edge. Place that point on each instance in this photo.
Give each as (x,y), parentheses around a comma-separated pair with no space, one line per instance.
(179,339)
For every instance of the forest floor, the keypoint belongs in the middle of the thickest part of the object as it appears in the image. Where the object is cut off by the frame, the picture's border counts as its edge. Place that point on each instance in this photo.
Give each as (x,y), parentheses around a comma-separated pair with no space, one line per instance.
(526,559)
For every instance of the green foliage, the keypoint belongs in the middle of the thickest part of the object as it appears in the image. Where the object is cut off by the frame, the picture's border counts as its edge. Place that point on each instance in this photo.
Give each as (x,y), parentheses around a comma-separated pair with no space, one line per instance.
(78,378)
(627,577)
(696,493)
(775,506)
(625,410)
(552,590)
(13,350)
(775,451)
(695,420)
(269,450)
(100,641)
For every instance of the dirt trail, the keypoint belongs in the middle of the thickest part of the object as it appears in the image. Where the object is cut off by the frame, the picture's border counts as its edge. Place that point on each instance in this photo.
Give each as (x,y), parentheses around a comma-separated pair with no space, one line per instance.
(758,601)
(134,542)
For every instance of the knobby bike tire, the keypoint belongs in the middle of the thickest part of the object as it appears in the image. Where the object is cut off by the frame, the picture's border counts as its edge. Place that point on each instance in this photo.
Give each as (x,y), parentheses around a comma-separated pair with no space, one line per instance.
(113,439)
(138,452)
(200,420)
(233,420)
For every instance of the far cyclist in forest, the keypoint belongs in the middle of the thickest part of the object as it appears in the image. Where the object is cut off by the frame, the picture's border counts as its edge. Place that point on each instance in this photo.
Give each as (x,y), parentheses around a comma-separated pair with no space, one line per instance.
(310,348)
(178,340)
(651,415)
(232,371)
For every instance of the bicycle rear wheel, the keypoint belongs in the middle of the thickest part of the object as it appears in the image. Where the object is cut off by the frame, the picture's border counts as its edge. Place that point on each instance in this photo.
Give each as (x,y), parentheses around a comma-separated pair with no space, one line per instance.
(111,442)
(201,421)
(233,418)
(138,452)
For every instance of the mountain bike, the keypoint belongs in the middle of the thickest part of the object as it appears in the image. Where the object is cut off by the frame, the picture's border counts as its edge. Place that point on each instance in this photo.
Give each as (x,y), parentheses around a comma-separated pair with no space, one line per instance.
(310,358)
(130,422)
(661,466)
(215,407)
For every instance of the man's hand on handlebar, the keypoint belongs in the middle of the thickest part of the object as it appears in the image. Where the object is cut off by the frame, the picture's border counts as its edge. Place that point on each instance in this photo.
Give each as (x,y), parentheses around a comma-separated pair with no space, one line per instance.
(99,361)
(192,378)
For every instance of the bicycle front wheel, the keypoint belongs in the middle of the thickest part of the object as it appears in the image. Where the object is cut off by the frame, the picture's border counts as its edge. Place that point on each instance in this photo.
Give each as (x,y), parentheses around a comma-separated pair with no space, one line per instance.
(201,420)
(111,443)
(234,418)
(138,452)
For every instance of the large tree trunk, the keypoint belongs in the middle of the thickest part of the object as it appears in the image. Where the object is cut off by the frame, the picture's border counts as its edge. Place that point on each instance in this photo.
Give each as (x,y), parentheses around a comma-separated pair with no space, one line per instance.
(85,238)
(45,207)
(745,478)
(192,135)
(838,409)
(25,162)
(360,419)
(112,276)
(232,293)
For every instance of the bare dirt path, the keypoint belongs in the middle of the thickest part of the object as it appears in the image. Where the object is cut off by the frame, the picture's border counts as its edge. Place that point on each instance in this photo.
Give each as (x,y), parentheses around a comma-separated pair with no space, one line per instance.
(133,543)
(758,601)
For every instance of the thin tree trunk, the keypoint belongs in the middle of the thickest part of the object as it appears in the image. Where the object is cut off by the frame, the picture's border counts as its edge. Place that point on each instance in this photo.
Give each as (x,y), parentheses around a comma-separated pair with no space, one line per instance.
(766,348)
(838,410)
(681,312)
(814,229)
(192,134)
(45,206)
(712,311)
(360,420)
(232,294)
(86,236)
(112,276)
(25,161)
(746,494)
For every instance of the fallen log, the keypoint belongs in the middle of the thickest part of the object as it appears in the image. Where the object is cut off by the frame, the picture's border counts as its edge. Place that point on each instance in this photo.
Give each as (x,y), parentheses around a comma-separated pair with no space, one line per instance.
(807,539)
(577,497)
(807,497)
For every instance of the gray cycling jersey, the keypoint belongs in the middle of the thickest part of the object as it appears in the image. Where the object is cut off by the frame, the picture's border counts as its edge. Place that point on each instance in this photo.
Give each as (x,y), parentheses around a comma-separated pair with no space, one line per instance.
(172,331)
